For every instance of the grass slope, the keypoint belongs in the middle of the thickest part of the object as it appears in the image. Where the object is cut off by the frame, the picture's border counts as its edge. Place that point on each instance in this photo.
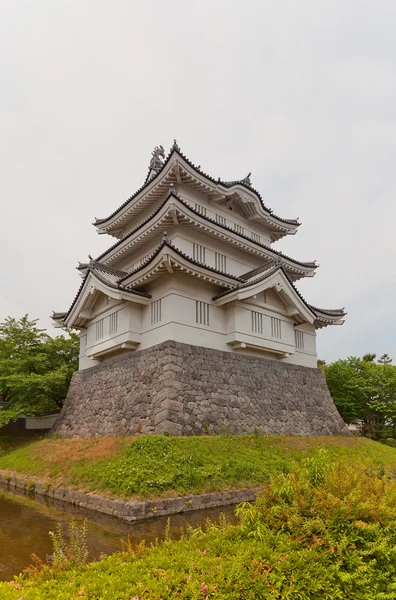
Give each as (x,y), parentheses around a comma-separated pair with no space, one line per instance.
(325,531)
(155,466)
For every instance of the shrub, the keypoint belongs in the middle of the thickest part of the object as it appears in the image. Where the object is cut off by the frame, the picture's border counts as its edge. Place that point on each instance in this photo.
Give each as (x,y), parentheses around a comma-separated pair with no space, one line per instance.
(326,531)
(73,553)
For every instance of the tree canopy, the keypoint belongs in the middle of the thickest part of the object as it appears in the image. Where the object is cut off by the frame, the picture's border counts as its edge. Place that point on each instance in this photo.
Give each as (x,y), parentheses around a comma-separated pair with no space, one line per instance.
(364,390)
(35,368)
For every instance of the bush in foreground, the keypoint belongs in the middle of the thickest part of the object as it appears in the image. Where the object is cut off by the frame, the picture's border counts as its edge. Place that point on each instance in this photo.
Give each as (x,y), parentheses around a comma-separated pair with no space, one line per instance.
(321,532)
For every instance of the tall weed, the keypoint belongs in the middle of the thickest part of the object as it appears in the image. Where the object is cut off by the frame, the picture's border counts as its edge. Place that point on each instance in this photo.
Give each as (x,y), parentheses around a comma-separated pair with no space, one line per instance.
(72,553)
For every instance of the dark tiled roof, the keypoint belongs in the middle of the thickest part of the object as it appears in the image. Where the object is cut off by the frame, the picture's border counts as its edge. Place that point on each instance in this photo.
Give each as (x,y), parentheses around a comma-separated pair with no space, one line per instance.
(183,255)
(332,312)
(270,271)
(176,150)
(226,227)
(58,316)
(103,274)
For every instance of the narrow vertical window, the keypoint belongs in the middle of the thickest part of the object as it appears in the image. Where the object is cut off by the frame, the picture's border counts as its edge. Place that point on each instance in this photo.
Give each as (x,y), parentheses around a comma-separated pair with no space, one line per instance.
(257,322)
(99,329)
(199,253)
(276,327)
(201,313)
(220,262)
(156,312)
(221,220)
(299,340)
(200,209)
(113,323)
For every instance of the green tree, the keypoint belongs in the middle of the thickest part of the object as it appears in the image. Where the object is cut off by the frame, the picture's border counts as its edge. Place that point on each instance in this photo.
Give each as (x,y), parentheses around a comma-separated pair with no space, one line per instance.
(35,369)
(366,391)
(351,386)
(369,357)
(385,359)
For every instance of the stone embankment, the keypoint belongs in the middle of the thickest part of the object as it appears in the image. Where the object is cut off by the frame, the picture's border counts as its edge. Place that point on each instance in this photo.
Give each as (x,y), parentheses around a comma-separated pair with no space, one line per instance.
(190,390)
(130,511)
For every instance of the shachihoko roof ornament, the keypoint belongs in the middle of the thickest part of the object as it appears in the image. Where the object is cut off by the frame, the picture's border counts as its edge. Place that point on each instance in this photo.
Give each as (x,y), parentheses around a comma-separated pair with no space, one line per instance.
(156,163)
(244,181)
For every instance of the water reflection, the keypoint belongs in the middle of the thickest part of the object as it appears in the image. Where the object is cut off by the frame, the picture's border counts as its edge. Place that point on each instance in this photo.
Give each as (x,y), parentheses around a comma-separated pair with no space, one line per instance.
(25,523)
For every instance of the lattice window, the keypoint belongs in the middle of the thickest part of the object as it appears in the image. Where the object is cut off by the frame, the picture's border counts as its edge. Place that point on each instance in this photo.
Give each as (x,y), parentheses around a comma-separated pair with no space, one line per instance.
(276,327)
(99,329)
(238,228)
(201,313)
(299,340)
(199,253)
(257,322)
(221,220)
(220,262)
(113,323)
(200,209)
(156,312)
(255,237)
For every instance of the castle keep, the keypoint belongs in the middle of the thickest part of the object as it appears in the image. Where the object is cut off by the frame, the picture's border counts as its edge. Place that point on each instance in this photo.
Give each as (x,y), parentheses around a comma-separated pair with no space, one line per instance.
(191,320)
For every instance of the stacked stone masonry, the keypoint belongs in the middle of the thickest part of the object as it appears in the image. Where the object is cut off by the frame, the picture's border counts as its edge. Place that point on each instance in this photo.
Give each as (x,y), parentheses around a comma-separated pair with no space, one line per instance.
(191,390)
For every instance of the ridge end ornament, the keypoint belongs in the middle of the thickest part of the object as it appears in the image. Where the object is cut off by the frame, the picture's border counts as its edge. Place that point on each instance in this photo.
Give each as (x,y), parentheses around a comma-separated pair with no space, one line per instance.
(156,163)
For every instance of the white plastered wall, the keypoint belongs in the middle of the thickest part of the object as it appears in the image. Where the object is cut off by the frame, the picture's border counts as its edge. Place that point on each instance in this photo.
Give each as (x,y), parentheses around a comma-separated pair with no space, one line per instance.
(172,315)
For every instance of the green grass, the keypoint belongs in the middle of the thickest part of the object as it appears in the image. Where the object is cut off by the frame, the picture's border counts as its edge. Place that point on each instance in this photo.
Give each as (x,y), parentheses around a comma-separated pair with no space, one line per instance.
(155,466)
(325,531)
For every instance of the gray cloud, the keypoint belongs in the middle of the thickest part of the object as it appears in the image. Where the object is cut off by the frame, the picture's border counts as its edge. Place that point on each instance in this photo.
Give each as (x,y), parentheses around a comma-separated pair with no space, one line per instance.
(300,93)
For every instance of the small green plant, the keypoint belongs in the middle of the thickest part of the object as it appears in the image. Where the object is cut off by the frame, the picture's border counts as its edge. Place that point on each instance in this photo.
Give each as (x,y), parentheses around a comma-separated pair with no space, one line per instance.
(73,553)
(225,431)
(324,531)
(317,466)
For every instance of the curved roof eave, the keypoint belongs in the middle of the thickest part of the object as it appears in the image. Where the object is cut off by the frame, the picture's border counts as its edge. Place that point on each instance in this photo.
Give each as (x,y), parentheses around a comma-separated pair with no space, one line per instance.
(308,265)
(292,223)
(91,271)
(168,244)
(330,315)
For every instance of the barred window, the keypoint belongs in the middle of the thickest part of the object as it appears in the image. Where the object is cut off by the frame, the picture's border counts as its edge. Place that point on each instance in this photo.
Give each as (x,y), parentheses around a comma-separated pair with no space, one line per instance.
(221,220)
(255,237)
(99,329)
(199,253)
(200,209)
(299,340)
(276,327)
(113,323)
(155,312)
(220,262)
(201,313)
(257,322)
(238,228)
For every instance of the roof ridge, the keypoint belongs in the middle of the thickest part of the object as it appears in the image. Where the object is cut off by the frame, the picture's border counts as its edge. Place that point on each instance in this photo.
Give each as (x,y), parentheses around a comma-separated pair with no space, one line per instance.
(168,243)
(101,266)
(311,308)
(175,149)
(175,195)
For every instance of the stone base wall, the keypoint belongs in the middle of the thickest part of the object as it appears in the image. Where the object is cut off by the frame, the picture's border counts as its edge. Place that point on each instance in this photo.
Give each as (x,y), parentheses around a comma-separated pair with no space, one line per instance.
(188,390)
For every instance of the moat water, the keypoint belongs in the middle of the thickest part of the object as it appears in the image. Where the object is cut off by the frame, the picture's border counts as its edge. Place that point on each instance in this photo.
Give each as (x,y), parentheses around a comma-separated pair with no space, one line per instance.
(25,523)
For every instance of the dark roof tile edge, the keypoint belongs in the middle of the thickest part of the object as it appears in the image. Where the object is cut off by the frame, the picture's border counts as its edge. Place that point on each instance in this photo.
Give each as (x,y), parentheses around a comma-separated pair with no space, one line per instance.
(105,282)
(313,309)
(183,255)
(226,227)
(226,184)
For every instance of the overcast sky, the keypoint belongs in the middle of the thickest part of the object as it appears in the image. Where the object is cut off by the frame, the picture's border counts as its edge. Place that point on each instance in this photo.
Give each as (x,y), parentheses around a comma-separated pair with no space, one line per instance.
(301,93)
